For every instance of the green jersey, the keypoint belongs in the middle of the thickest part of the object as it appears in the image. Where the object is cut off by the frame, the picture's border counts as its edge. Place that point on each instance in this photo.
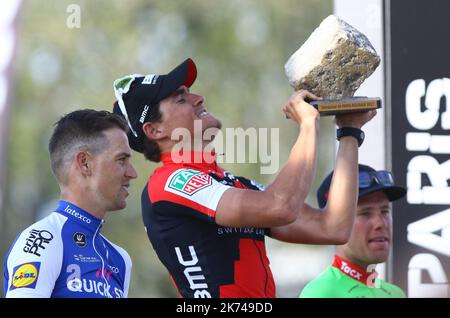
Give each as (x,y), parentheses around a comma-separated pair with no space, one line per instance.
(344,280)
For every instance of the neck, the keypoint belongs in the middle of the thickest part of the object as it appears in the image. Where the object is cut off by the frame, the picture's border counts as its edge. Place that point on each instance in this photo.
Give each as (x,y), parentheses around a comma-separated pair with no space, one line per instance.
(83,202)
(190,157)
(349,258)
(196,145)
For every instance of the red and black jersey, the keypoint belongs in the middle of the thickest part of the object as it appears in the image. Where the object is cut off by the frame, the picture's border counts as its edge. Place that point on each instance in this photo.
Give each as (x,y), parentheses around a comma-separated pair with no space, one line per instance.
(203,258)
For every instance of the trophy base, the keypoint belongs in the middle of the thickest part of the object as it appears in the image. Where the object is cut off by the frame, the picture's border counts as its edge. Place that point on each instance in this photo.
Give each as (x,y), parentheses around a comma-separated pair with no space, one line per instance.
(346,105)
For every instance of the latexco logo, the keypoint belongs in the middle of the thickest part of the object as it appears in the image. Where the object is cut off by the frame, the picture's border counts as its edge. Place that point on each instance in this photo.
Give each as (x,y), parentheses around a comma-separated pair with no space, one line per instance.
(189,181)
(74,213)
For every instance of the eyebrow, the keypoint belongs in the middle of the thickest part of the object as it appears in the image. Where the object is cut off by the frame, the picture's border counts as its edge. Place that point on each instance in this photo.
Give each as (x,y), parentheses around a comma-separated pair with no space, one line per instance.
(369,208)
(180,91)
(123,154)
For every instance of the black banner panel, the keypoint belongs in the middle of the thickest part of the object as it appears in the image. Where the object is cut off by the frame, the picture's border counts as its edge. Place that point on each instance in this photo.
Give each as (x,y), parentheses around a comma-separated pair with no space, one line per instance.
(417,43)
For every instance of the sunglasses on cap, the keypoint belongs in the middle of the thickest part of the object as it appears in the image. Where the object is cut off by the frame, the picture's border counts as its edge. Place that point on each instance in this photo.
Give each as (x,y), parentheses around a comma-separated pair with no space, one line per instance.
(382,177)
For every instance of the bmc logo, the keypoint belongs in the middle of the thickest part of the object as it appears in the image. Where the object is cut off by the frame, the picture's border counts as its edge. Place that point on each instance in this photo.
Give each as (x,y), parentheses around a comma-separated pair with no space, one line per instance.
(144,113)
(150,79)
(193,273)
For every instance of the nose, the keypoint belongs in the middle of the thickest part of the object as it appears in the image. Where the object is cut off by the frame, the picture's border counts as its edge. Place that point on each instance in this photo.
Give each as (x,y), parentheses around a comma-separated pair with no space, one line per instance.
(197,100)
(131,172)
(380,221)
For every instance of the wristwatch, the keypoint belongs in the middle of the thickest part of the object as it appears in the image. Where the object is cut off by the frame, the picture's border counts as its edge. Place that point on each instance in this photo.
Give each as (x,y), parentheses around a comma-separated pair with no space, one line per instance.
(350,131)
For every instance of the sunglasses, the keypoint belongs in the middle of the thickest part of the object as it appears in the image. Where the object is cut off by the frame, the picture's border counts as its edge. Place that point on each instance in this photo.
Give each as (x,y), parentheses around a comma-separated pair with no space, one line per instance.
(121,87)
(383,177)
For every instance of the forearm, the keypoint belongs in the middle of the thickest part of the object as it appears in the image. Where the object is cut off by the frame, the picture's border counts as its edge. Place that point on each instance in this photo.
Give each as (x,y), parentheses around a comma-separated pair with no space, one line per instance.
(333,224)
(343,196)
(310,227)
(293,182)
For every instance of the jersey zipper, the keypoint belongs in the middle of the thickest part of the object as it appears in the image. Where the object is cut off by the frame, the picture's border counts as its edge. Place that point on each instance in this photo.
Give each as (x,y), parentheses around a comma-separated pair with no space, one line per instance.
(96,234)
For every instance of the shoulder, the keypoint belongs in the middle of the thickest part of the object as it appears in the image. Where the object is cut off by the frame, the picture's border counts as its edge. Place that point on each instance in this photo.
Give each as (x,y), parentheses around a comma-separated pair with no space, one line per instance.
(323,286)
(393,290)
(41,239)
(34,260)
(181,181)
(184,186)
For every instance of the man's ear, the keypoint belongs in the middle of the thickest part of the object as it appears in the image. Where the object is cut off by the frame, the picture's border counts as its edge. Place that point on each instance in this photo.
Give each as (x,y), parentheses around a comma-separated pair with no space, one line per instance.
(83,162)
(153,131)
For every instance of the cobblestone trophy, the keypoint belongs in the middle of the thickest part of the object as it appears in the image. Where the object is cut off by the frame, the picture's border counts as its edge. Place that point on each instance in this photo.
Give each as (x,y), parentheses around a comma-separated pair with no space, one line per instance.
(332,63)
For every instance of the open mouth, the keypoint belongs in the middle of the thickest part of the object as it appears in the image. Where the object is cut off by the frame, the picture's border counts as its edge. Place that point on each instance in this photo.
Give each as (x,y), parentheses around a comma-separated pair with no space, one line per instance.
(379,240)
(125,188)
(202,113)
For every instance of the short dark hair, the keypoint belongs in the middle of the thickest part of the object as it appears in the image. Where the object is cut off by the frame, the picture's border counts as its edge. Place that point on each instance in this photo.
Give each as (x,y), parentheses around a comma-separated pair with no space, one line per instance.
(80,129)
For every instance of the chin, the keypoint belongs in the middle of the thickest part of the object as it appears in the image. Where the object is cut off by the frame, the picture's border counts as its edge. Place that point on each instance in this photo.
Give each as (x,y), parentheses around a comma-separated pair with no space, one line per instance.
(120,205)
(379,257)
(212,122)
(219,124)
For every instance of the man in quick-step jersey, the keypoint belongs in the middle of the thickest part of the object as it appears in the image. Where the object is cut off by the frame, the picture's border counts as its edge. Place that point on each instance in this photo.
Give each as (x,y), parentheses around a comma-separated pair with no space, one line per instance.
(64,254)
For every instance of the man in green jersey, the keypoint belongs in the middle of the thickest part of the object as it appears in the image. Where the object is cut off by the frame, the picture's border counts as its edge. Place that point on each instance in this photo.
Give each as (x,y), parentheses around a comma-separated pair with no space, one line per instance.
(352,273)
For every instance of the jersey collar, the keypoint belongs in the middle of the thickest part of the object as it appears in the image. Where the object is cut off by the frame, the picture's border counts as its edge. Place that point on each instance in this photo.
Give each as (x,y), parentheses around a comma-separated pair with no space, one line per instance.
(353,271)
(78,215)
(201,160)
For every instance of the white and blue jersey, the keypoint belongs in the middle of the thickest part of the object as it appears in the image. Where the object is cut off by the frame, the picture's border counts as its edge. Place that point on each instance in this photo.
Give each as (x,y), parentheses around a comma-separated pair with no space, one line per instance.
(64,255)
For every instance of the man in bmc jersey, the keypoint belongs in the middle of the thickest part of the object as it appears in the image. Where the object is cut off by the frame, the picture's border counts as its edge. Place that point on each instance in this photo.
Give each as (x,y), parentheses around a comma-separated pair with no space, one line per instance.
(208,226)
(352,273)
(64,254)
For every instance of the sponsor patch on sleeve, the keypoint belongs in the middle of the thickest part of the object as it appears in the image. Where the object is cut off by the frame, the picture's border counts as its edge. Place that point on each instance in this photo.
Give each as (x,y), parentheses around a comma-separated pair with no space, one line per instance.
(37,241)
(188,181)
(197,187)
(25,275)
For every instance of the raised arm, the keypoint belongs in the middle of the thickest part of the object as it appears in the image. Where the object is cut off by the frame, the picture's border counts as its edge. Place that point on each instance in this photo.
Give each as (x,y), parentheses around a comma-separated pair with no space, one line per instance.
(333,224)
(280,202)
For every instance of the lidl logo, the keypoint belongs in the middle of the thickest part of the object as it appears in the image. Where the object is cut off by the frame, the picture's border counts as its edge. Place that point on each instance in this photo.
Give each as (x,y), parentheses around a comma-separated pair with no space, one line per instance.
(189,181)
(25,275)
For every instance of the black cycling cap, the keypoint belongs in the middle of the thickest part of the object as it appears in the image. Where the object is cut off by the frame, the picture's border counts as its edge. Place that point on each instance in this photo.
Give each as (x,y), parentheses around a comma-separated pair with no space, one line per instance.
(137,95)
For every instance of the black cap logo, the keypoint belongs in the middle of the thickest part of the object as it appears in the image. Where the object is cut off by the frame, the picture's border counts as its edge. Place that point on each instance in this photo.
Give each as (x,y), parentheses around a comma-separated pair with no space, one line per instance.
(80,239)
